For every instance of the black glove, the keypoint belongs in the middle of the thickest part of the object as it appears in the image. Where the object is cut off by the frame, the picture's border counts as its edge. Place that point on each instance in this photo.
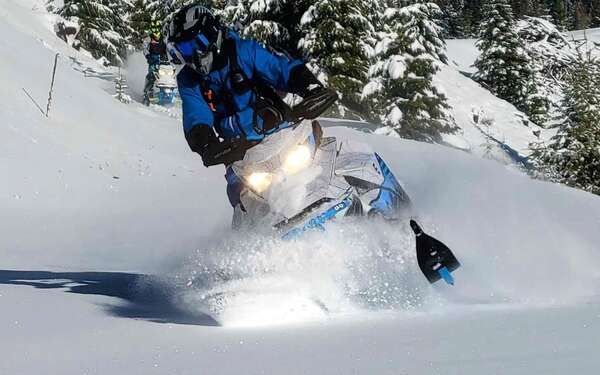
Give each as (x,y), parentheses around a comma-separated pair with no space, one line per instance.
(303,82)
(202,139)
(315,104)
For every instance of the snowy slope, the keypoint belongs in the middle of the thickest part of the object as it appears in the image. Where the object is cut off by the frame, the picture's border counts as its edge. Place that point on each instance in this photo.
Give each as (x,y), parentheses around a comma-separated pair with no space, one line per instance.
(487,121)
(106,216)
(507,126)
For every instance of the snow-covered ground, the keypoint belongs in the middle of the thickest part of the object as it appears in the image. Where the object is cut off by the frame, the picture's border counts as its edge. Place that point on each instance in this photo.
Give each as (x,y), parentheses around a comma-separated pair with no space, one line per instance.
(111,231)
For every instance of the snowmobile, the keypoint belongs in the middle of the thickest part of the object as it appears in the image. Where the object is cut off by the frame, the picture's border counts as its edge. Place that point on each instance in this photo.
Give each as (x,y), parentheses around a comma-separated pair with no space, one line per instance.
(297,180)
(166,84)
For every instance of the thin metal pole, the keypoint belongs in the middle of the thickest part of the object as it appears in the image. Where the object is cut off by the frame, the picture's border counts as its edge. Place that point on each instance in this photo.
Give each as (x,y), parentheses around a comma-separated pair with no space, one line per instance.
(51,85)
(33,100)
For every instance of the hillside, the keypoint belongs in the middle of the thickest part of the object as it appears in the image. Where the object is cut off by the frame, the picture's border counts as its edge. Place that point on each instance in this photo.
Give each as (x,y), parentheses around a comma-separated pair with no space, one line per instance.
(106,217)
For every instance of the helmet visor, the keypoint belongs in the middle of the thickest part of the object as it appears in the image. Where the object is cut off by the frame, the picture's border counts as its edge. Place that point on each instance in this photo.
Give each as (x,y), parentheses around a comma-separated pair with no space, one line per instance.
(188,48)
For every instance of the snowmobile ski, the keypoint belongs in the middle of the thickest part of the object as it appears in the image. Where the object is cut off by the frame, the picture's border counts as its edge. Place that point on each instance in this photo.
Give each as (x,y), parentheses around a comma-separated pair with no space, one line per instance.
(435,259)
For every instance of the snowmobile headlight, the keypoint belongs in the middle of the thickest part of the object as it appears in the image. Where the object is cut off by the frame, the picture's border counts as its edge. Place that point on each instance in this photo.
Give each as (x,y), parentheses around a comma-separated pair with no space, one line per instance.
(260,181)
(297,159)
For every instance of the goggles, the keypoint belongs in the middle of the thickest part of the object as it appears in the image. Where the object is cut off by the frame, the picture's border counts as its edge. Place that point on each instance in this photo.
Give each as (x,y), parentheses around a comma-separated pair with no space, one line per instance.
(185,50)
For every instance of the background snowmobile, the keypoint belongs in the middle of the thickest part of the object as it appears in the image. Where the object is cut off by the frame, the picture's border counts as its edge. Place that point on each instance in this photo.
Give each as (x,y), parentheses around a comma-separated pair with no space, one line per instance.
(164,91)
(296,180)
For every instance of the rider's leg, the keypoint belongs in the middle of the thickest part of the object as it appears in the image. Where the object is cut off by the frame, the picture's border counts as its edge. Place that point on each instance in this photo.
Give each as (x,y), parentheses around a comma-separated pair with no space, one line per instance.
(149,85)
(234,189)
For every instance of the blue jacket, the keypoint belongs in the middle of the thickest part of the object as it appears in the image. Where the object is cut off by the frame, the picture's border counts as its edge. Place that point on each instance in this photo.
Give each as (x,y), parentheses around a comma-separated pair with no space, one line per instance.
(257,62)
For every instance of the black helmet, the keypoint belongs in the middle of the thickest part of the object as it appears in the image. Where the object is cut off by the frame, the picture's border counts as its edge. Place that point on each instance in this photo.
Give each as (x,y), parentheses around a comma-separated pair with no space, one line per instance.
(192,36)
(192,20)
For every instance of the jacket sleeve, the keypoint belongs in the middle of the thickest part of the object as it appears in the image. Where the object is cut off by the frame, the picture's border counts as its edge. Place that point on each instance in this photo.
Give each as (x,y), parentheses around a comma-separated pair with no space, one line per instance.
(195,109)
(274,68)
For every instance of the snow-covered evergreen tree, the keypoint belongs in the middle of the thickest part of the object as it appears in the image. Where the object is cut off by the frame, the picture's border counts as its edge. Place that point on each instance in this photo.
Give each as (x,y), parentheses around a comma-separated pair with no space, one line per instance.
(453,18)
(121,89)
(337,46)
(103,27)
(573,156)
(503,65)
(558,12)
(550,53)
(236,13)
(595,13)
(273,22)
(580,17)
(401,86)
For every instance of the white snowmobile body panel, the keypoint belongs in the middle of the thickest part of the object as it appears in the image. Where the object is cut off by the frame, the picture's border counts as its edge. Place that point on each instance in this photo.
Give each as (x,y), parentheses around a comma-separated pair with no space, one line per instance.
(345,177)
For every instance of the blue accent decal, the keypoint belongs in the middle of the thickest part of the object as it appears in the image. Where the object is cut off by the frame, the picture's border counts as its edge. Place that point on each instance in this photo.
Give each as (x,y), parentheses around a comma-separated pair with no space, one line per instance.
(164,98)
(446,275)
(318,221)
(390,194)
(204,41)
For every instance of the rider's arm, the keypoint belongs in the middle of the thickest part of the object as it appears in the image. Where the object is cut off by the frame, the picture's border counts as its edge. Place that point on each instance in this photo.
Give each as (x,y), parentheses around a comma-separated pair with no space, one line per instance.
(303,82)
(197,117)
(282,72)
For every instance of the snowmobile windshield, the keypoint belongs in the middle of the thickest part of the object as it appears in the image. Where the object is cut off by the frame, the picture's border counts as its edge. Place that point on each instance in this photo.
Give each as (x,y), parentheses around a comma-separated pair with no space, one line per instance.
(288,151)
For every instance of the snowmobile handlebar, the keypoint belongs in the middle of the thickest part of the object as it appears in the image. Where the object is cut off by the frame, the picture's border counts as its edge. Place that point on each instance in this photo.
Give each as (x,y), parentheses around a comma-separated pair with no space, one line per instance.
(230,151)
(314,105)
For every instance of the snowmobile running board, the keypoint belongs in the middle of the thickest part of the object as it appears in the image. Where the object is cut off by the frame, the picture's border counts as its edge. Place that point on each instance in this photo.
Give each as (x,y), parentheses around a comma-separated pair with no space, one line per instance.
(436,260)
(318,221)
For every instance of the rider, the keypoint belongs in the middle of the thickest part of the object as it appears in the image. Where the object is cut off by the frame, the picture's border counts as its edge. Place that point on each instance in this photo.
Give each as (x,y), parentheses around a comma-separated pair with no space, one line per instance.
(228,89)
(155,52)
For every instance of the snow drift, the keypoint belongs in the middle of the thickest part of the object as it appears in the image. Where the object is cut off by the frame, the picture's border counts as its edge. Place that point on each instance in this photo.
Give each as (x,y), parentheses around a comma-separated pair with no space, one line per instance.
(104,201)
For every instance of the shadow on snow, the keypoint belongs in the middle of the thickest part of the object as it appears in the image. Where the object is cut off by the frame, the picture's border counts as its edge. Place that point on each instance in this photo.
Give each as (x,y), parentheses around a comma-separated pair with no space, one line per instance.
(142,296)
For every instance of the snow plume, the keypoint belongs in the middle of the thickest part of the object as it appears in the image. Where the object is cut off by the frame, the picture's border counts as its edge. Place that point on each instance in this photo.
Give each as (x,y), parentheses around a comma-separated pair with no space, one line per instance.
(136,69)
(250,279)
(253,280)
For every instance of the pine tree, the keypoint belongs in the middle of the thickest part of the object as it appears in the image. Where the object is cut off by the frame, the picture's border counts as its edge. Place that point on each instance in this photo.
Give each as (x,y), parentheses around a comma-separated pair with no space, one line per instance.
(401,86)
(537,103)
(573,156)
(519,8)
(453,18)
(536,8)
(595,13)
(550,53)
(103,27)
(503,65)
(558,12)
(236,13)
(336,46)
(473,16)
(121,89)
(273,22)
(581,16)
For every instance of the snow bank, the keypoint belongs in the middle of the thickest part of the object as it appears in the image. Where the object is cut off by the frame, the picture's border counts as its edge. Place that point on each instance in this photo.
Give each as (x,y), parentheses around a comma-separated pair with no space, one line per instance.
(102,186)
